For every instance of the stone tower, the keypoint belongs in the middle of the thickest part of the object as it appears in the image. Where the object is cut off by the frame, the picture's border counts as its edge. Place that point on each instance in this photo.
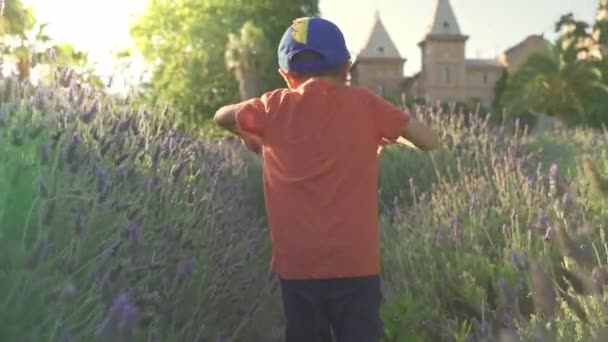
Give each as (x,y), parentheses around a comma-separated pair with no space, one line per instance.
(443,75)
(379,65)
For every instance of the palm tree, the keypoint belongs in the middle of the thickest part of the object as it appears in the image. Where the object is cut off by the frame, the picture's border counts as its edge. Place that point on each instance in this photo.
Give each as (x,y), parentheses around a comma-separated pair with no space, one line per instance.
(556,83)
(246,53)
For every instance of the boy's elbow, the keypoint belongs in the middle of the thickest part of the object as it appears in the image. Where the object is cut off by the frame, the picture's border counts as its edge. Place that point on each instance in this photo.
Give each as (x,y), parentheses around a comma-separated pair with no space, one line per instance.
(218,116)
(224,117)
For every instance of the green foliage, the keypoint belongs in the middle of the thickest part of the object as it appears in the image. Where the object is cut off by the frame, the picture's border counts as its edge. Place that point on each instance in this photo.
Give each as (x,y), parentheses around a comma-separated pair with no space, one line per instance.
(16,19)
(186,42)
(554,83)
(561,83)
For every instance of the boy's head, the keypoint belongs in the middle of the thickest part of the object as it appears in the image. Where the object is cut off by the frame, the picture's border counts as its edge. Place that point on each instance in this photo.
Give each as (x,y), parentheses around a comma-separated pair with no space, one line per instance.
(313,47)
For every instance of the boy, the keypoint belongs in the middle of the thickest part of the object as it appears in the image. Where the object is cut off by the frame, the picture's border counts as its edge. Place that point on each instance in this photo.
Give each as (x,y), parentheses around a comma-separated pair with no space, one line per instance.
(319,142)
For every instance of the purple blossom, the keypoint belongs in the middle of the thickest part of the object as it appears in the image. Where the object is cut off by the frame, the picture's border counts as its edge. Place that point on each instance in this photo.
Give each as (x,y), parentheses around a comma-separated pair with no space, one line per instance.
(542,221)
(472,204)
(531,181)
(44,154)
(553,180)
(553,171)
(520,263)
(79,224)
(485,329)
(155,156)
(455,228)
(44,192)
(221,337)
(122,316)
(70,155)
(186,268)
(101,179)
(89,115)
(39,103)
(134,231)
(514,258)
(53,54)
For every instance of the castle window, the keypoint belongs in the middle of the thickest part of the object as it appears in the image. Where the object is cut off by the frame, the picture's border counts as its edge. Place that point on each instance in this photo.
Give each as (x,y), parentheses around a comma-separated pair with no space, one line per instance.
(446,75)
(446,25)
(485,77)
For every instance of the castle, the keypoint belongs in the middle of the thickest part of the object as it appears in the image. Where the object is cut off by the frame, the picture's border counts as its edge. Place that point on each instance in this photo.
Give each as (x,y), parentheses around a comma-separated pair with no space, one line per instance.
(446,73)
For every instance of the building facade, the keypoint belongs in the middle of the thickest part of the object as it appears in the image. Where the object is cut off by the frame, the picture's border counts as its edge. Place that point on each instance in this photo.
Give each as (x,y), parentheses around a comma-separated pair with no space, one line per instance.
(446,73)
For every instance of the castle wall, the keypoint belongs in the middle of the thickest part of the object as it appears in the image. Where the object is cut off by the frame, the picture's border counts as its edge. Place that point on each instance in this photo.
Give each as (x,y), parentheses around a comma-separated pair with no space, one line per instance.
(443,76)
(481,82)
(381,76)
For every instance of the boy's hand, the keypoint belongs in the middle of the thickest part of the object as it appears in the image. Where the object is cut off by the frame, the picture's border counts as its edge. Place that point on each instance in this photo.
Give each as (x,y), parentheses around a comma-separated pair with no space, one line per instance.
(252,142)
(399,141)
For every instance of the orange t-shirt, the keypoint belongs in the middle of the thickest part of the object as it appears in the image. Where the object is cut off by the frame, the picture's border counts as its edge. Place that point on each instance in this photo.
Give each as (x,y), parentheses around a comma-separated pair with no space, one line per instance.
(320,166)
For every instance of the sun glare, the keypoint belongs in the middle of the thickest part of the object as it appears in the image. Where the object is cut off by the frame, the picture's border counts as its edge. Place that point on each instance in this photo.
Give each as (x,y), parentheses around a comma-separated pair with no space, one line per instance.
(99,27)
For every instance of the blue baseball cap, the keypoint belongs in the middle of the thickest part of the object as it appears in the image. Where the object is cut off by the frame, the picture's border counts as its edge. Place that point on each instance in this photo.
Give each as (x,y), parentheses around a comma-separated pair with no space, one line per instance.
(317,35)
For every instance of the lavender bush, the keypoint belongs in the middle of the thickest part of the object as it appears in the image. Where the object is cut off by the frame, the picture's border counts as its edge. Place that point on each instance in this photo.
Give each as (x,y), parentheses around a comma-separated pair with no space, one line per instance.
(115,225)
(501,247)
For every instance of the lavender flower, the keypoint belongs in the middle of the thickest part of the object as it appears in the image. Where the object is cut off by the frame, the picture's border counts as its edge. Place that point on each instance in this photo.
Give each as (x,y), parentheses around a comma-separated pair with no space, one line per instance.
(122,316)
(553,180)
(176,172)
(220,337)
(71,91)
(531,182)
(186,268)
(39,102)
(89,115)
(53,54)
(101,176)
(44,154)
(455,228)
(70,155)
(134,231)
(79,224)
(542,221)
(520,263)
(485,329)
(472,204)
(44,192)
(553,172)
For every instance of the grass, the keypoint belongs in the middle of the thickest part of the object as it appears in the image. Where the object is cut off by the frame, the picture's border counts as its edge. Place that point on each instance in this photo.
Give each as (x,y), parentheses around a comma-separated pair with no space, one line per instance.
(116,225)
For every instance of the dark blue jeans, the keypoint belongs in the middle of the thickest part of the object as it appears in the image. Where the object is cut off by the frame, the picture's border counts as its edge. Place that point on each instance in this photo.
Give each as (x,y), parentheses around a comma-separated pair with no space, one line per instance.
(347,307)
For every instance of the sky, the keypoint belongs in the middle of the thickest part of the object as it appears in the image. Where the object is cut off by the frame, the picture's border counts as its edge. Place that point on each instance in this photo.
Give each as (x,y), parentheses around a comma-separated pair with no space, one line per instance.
(102,26)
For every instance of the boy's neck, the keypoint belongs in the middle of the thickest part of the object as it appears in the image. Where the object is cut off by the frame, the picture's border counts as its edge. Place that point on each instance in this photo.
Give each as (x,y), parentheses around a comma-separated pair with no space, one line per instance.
(333,79)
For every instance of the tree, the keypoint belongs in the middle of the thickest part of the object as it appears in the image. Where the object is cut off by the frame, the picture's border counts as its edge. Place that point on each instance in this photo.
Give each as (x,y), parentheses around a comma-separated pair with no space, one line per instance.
(16,21)
(185,42)
(24,42)
(556,83)
(246,54)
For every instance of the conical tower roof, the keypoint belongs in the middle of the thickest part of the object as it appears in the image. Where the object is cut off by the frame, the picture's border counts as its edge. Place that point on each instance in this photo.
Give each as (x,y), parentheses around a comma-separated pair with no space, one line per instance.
(379,43)
(444,20)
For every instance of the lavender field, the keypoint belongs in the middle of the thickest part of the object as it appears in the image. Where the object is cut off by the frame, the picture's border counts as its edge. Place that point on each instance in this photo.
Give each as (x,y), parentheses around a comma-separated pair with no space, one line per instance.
(117,226)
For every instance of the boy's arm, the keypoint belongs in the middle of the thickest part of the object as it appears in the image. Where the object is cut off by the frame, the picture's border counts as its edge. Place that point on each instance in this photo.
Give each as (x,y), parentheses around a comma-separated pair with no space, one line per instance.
(245,120)
(397,126)
(419,135)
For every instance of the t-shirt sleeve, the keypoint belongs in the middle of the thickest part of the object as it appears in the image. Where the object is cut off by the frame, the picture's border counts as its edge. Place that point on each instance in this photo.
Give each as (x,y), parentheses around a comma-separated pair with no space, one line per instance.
(389,121)
(252,115)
